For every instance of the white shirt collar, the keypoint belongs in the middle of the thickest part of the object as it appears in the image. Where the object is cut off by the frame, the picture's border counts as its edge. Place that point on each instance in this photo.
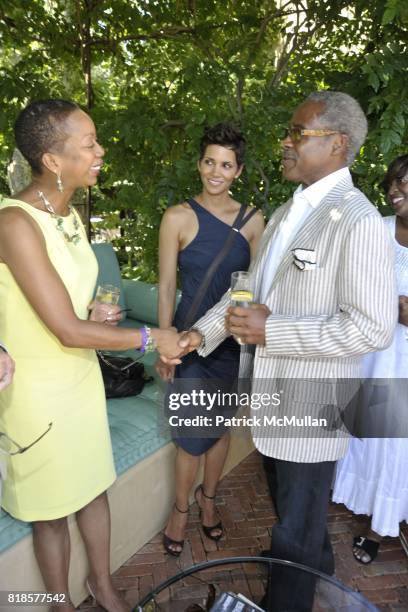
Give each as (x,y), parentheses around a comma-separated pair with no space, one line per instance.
(315,193)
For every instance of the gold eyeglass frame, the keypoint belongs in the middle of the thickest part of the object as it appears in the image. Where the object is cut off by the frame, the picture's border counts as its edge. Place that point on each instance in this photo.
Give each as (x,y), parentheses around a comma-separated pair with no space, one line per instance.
(291,131)
(21,449)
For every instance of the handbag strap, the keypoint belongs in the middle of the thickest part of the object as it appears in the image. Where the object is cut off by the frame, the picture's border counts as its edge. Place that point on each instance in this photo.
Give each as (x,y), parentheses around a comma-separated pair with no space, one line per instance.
(239,222)
(105,359)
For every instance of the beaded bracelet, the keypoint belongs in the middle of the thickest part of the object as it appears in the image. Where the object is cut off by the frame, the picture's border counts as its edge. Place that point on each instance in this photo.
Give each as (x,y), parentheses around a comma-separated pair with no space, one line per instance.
(148,343)
(144,339)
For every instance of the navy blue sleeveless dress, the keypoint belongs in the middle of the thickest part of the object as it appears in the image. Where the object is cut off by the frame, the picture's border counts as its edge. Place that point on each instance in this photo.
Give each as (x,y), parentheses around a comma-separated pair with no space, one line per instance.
(218,372)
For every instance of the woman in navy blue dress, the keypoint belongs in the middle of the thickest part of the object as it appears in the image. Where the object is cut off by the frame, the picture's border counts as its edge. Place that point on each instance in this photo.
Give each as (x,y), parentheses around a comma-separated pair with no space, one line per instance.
(191,235)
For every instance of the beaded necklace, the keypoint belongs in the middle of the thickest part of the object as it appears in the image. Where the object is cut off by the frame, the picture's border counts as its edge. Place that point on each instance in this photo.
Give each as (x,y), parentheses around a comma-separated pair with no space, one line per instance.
(59,221)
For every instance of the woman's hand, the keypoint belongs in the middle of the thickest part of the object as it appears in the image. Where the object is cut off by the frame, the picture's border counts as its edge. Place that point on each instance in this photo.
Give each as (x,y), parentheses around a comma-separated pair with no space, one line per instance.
(167,344)
(403,310)
(188,341)
(110,314)
(165,371)
(7,367)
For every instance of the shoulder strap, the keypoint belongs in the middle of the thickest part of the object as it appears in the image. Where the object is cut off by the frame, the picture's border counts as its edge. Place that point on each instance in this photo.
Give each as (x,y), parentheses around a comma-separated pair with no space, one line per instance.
(192,203)
(238,223)
(247,218)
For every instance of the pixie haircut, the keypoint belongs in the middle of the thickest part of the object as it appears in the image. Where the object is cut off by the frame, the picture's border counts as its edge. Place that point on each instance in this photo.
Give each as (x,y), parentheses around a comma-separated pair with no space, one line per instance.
(344,114)
(224,135)
(397,169)
(39,129)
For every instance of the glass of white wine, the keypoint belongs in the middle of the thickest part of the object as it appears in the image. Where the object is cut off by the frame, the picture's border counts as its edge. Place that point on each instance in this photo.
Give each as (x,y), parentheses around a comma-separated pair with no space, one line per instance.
(107,294)
(242,293)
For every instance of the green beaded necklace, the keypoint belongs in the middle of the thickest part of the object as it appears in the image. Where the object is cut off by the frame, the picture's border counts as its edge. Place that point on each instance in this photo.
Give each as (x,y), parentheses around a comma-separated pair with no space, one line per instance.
(59,221)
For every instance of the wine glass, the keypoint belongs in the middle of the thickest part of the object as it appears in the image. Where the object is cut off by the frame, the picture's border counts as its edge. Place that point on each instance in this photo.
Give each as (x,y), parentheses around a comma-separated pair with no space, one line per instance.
(241,292)
(107,294)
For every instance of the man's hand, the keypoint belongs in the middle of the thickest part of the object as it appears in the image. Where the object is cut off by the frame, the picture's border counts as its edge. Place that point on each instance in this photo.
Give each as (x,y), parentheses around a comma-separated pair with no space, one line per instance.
(7,368)
(248,324)
(110,314)
(190,341)
(403,309)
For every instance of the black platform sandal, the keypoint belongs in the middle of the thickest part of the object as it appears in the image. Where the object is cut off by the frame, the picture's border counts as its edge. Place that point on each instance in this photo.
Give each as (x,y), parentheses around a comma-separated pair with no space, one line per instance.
(369,547)
(169,542)
(208,530)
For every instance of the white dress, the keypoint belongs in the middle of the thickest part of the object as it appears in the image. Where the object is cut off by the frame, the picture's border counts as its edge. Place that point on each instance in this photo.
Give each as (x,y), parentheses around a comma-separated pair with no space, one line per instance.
(372,478)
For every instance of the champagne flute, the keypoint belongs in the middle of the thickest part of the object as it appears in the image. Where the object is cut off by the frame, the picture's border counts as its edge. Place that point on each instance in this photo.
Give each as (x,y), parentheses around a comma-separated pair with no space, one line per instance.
(241,292)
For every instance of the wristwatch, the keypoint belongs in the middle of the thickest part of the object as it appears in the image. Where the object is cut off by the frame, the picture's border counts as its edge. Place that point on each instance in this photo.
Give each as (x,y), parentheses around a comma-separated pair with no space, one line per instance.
(201,346)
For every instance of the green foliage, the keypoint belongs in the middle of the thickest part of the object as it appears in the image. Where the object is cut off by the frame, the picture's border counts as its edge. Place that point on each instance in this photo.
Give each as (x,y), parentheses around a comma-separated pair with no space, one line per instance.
(154,73)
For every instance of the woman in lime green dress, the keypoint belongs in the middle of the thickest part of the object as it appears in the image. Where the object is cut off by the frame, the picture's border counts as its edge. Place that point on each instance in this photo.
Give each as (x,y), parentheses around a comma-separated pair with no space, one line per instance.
(47,279)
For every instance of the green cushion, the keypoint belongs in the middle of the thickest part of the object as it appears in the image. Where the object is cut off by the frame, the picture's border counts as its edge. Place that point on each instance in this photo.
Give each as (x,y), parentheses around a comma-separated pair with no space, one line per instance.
(109,271)
(142,299)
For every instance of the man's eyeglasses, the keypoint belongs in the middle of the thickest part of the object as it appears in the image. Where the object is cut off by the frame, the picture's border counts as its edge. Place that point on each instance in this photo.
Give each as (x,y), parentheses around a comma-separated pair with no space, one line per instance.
(10,447)
(296,133)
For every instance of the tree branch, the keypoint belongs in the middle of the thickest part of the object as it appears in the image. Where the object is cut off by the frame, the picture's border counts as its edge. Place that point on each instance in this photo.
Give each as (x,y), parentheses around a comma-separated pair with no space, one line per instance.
(173,123)
(264,194)
(173,32)
(295,39)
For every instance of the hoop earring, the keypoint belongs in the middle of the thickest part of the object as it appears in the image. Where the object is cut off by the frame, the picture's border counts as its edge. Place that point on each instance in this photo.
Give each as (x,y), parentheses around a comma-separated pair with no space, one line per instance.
(60,186)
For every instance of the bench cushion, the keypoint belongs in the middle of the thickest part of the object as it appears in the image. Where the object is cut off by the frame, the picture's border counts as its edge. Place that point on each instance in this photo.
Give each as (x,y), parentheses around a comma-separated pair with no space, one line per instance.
(142,299)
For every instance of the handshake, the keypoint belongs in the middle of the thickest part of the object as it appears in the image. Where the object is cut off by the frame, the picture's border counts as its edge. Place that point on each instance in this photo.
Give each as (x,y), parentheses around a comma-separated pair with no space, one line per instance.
(172,345)
(247,324)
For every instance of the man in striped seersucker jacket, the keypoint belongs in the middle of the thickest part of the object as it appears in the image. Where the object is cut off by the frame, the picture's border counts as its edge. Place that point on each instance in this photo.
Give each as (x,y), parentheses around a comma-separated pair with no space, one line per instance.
(325,289)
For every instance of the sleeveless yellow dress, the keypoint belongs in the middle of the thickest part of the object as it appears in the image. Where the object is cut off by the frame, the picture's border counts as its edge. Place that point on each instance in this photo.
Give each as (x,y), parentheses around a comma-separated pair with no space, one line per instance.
(73,463)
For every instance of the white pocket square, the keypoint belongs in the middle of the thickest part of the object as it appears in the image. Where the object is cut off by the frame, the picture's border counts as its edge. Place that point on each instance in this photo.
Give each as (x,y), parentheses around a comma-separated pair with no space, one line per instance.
(305,259)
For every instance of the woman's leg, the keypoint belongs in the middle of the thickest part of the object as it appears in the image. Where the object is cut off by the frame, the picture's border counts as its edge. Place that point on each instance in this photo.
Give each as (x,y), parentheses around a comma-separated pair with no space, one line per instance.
(52,551)
(186,473)
(94,524)
(214,463)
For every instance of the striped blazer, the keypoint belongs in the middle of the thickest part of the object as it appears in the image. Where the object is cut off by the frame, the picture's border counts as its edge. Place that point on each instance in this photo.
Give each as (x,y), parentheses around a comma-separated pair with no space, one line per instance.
(322,321)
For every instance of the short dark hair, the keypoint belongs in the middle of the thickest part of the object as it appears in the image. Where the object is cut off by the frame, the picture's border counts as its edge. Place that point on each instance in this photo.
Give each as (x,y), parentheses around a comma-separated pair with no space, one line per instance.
(398,168)
(39,129)
(225,135)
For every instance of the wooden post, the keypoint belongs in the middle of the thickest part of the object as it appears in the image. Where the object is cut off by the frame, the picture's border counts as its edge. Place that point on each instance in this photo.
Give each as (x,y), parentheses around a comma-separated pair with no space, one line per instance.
(84,10)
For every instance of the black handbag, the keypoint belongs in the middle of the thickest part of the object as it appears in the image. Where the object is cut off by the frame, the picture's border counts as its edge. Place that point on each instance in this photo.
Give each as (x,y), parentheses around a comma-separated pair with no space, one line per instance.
(122,376)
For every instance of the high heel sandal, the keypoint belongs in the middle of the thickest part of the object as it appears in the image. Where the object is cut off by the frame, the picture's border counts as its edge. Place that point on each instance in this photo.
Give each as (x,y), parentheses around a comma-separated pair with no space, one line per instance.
(169,542)
(208,530)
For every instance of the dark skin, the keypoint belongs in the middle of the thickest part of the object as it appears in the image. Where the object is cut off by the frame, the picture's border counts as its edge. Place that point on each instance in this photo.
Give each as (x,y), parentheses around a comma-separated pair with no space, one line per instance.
(23,249)
(304,162)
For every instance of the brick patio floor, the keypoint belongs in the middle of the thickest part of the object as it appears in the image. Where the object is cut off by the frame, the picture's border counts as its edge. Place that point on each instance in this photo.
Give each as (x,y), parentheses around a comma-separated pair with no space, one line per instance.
(247,516)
